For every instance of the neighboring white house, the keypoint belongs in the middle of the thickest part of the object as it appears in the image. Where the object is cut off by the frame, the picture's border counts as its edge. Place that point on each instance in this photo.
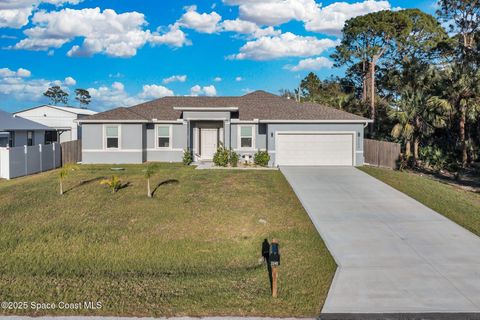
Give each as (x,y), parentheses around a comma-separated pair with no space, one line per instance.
(23,149)
(61,120)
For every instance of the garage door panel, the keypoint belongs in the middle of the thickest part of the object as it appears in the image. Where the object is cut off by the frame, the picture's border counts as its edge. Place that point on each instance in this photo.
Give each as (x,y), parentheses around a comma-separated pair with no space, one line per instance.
(318,149)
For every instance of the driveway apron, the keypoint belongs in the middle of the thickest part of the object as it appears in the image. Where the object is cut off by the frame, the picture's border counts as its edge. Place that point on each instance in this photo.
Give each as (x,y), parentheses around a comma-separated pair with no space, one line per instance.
(394,255)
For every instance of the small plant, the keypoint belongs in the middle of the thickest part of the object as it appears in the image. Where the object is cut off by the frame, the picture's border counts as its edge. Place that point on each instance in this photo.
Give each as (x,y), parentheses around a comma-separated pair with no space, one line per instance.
(233,158)
(433,157)
(221,157)
(187,157)
(148,173)
(261,158)
(114,183)
(63,173)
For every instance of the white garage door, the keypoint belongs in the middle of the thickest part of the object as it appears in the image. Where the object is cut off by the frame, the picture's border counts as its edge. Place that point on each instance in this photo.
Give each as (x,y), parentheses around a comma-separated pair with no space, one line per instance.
(314,149)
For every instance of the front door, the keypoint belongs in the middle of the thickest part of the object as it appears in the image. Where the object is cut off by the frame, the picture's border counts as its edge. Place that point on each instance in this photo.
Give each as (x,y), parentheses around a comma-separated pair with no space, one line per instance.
(208,142)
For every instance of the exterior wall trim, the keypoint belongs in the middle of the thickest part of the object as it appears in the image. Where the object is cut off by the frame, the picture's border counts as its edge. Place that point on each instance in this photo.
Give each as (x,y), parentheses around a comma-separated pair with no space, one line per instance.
(316,121)
(110,121)
(111,150)
(353,133)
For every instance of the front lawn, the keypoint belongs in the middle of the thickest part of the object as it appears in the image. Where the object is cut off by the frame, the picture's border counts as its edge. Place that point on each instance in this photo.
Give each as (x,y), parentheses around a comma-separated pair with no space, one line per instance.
(460,206)
(193,249)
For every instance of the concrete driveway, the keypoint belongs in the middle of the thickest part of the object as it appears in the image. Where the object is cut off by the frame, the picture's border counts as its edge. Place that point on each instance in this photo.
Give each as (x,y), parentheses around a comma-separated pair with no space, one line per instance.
(394,255)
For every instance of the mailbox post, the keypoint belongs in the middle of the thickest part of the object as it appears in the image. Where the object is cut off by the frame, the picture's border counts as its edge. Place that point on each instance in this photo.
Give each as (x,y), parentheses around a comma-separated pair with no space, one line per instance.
(274,263)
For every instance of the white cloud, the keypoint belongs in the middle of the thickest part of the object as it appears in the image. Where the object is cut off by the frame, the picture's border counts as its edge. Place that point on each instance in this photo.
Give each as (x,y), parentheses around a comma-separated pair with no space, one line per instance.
(285,45)
(275,12)
(17,84)
(15,13)
(175,78)
(331,19)
(238,79)
(174,37)
(69,81)
(248,28)
(7,73)
(115,95)
(209,91)
(200,22)
(217,79)
(155,91)
(311,64)
(116,35)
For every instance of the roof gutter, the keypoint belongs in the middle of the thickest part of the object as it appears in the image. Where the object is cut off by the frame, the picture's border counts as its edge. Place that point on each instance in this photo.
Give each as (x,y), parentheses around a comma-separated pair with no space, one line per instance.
(366,121)
(80,121)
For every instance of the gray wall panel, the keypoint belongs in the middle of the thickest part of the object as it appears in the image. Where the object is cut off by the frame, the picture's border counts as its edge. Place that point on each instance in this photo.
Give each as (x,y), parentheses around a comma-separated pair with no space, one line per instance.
(112,157)
(164,156)
(92,136)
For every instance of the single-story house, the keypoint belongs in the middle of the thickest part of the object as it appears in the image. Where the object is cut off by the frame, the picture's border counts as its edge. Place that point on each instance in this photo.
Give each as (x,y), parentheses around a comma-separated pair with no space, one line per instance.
(292,133)
(61,120)
(19,132)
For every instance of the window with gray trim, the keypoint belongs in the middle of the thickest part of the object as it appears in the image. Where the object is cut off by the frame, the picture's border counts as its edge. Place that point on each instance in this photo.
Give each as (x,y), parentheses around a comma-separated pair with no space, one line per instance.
(163,134)
(246,137)
(111,134)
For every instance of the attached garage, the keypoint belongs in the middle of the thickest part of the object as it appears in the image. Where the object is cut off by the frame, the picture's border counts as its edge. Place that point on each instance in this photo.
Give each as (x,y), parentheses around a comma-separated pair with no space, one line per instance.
(315,149)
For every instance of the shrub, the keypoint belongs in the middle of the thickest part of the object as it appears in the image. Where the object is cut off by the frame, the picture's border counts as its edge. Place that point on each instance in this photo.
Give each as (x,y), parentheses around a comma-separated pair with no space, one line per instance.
(221,157)
(233,158)
(187,157)
(114,183)
(261,158)
(433,157)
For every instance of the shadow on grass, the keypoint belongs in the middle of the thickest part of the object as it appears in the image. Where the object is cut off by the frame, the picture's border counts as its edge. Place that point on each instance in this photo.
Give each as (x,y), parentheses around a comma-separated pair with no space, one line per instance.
(84,182)
(163,183)
(124,185)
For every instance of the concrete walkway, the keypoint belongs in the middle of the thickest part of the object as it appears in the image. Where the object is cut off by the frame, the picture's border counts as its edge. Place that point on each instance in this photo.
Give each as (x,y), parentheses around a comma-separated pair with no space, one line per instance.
(394,255)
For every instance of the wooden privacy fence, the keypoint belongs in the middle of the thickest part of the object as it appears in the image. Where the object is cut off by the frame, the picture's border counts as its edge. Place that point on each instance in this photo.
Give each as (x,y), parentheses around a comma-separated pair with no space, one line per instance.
(381,153)
(71,152)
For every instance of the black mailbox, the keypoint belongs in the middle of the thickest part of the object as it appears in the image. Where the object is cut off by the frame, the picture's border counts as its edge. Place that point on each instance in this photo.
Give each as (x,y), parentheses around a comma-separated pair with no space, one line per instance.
(274,254)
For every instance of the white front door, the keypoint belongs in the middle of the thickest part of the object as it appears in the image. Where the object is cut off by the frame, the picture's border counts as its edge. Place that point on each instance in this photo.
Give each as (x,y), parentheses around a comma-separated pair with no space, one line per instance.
(209,143)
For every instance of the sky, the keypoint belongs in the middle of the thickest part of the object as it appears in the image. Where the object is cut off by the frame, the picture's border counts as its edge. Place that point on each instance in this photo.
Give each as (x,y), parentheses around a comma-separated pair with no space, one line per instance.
(126,52)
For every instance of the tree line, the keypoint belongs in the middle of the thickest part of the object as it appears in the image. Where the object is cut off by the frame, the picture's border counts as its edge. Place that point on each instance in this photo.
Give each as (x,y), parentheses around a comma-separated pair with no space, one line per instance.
(417,76)
(57,95)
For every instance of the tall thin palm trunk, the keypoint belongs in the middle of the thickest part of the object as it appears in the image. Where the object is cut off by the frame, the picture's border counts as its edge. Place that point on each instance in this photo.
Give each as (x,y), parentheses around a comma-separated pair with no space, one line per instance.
(408,150)
(463,144)
(148,188)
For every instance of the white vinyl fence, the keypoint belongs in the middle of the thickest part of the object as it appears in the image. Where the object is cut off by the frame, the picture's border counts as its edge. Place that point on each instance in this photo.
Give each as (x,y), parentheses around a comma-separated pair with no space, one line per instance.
(23,161)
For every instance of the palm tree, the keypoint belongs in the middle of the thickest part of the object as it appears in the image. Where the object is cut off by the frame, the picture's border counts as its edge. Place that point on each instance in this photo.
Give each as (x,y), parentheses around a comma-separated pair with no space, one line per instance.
(148,173)
(417,115)
(63,173)
(461,92)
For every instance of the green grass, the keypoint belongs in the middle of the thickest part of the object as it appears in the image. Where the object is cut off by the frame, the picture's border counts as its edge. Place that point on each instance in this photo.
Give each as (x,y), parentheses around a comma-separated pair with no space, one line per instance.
(460,206)
(191,250)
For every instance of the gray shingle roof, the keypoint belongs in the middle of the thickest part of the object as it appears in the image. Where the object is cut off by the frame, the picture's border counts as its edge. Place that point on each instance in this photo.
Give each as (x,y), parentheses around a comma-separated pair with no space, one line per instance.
(256,105)
(9,122)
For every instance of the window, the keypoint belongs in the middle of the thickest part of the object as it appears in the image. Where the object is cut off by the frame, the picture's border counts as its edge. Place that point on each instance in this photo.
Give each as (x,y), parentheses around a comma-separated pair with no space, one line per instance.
(112,134)
(29,138)
(246,137)
(51,137)
(163,136)
(11,139)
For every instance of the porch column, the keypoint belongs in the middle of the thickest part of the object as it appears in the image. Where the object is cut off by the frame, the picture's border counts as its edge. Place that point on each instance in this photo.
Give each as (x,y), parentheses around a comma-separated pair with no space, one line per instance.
(226,133)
